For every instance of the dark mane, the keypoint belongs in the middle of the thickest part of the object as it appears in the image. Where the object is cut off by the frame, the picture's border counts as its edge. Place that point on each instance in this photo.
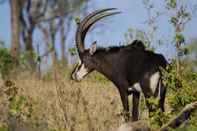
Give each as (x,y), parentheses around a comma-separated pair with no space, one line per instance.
(109,49)
(136,44)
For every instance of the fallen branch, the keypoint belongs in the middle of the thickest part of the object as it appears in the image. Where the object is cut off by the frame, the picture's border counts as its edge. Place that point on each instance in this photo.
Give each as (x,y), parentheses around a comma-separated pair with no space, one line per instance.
(181,117)
(173,123)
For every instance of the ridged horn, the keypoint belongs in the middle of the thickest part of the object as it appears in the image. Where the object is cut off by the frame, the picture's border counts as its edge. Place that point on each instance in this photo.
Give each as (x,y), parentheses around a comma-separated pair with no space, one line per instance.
(87,22)
(92,21)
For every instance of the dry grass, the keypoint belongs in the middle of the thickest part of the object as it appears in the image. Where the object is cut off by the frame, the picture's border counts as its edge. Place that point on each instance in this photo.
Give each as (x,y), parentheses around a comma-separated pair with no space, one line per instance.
(56,103)
(65,105)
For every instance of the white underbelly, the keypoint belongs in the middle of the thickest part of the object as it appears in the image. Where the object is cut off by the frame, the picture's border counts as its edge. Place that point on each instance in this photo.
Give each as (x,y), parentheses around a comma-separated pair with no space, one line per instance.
(135,87)
(154,79)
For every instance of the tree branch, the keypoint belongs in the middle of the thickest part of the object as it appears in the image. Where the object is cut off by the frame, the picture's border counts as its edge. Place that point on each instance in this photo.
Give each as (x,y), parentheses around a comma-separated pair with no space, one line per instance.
(173,123)
(181,117)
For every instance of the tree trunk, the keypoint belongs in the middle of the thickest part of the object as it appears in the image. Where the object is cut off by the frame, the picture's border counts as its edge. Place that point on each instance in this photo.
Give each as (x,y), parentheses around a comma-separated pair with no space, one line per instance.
(54,61)
(178,59)
(54,56)
(29,47)
(63,39)
(53,31)
(15,36)
(178,66)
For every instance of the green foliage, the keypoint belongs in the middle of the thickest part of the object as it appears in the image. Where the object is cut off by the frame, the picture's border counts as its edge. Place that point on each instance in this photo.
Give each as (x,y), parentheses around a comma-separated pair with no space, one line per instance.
(153,101)
(159,118)
(182,90)
(170,79)
(3,127)
(77,20)
(48,76)
(174,20)
(98,77)
(23,59)
(6,62)
(15,101)
(171,3)
(179,38)
(73,51)
(180,17)
(16,104)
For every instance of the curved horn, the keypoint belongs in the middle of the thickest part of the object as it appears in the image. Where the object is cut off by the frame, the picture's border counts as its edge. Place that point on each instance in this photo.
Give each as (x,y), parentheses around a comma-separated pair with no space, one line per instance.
(90,23)
(96,12)
(80,34)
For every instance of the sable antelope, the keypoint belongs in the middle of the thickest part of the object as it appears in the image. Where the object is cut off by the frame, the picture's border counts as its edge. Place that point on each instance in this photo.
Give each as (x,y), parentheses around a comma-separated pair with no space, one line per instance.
(131,68)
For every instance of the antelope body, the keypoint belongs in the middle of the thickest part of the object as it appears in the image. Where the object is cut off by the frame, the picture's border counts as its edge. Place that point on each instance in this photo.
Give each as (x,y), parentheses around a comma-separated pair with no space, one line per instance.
(131,68)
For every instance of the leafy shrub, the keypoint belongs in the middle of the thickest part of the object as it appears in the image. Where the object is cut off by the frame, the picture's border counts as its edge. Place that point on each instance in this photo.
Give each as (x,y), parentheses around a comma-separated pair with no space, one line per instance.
(180,92)
(6,62)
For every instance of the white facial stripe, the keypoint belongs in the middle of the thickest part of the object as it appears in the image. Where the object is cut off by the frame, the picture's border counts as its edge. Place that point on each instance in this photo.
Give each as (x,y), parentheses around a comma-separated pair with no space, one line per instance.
(81,72)
(154,79)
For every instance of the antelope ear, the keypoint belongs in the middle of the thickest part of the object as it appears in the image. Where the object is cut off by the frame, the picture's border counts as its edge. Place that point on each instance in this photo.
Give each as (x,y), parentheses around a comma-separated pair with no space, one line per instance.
(93,48)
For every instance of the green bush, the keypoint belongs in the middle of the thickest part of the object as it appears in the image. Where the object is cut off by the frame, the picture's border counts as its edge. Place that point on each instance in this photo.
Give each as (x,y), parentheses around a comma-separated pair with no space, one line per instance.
(180,92)
(6,62)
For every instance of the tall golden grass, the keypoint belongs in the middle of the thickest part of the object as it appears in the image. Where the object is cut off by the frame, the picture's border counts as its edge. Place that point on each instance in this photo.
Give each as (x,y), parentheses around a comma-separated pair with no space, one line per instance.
(61,104)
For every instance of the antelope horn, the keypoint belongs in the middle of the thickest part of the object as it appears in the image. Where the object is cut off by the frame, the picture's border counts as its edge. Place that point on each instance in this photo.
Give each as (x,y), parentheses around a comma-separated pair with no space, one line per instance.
(80,35)
(96,12)
(97,18)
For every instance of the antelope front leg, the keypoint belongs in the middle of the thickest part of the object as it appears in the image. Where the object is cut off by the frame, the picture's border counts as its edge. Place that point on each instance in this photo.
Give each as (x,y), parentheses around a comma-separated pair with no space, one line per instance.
(135,110)
(124,99)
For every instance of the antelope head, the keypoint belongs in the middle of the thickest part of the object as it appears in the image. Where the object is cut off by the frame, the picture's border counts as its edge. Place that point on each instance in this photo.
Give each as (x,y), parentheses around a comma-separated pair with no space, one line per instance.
(87,62)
